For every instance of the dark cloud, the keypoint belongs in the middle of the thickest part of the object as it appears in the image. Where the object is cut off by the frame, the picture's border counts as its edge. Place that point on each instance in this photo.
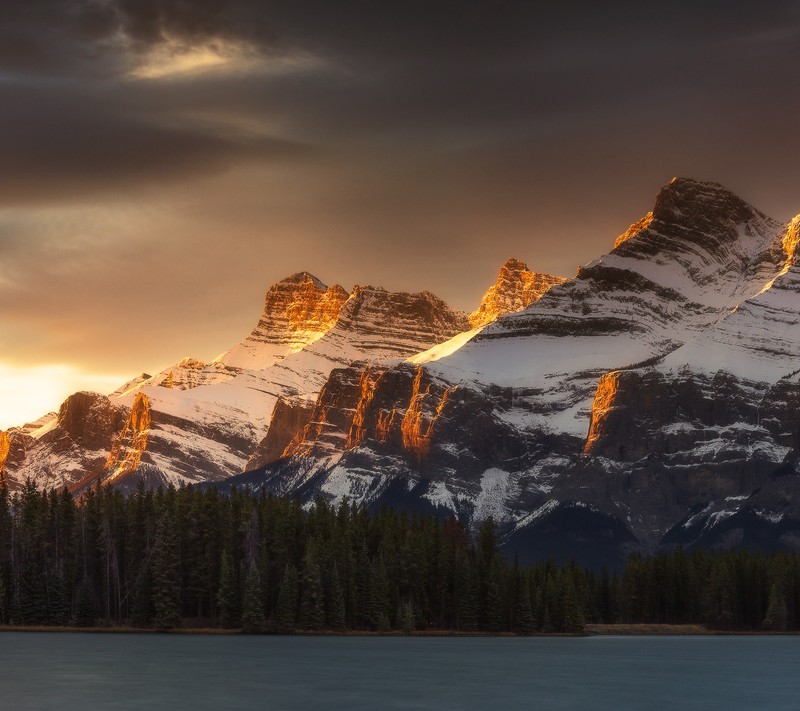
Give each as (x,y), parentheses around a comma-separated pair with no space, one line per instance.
(70,142)
(413,144)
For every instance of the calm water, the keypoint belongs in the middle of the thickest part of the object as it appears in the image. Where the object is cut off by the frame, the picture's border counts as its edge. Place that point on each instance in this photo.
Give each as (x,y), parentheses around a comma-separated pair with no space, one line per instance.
(99,671)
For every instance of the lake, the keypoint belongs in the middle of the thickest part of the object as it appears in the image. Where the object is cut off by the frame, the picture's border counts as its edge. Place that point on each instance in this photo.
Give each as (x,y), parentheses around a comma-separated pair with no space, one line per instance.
(40,671)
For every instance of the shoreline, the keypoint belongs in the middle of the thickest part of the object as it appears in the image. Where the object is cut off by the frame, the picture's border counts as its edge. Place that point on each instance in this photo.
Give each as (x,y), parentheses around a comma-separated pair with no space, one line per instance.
(591,630)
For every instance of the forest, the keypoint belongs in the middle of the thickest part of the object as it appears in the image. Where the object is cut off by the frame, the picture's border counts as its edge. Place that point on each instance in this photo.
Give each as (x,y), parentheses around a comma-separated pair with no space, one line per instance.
(196,558)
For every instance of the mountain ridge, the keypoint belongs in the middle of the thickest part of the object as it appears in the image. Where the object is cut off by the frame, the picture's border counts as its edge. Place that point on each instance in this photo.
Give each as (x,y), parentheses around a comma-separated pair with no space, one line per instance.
(660,381)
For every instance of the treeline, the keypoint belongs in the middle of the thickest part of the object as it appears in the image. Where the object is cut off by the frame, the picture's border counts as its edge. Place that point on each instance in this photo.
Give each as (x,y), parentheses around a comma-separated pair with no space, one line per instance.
(194,557)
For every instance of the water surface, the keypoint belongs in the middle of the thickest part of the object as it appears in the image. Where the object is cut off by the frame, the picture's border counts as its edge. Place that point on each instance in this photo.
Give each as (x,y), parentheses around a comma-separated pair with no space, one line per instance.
(41,671)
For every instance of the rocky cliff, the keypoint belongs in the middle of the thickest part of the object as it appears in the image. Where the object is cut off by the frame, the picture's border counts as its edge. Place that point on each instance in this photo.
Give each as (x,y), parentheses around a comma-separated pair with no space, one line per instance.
(516,287)
(197,421)
(615,404)
(651,400)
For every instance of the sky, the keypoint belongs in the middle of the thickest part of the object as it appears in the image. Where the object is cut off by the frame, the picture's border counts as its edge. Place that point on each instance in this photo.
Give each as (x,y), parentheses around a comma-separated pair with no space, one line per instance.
(162,162)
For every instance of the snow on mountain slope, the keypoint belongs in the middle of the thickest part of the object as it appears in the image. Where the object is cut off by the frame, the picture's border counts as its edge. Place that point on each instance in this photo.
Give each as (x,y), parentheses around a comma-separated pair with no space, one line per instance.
(725,403)
(515,288)
(297,311)
(516,396)
(759,340)
(195,421)
(699,253)
(653,399)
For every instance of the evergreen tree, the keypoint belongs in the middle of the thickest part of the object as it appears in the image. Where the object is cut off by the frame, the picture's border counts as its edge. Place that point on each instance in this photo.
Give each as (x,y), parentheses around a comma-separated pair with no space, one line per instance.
(312,608)
(2,599)
(286,608)
(493,612)
(467,598)
(140,599)
(166,576)
(407,618)
(524,611)
(253,620)
(776,617)
(58,610)
(335,612)
(86,607)
(227,595)
(574,612)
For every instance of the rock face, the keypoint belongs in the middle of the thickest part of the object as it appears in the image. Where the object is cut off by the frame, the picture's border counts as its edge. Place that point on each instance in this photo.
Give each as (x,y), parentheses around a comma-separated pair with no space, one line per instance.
(650,401)
(642,403)
(516,287)
(196,421)
(297,311)
(66,447)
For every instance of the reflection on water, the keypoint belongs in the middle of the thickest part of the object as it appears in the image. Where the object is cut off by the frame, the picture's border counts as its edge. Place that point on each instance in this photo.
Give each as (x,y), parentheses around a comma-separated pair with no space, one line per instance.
(42,671)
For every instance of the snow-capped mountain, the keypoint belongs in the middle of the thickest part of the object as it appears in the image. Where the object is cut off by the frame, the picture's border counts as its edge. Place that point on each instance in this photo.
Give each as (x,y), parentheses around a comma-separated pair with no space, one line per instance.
(549,418)
(650,400)
(199,421)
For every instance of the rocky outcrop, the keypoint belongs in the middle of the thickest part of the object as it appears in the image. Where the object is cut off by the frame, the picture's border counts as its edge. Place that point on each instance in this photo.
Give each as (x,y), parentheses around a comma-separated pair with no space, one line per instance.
(131,443)
(297,311)
(652,400)
(288,417)
(197,421)
(516,287)
(64,448)
(579,407)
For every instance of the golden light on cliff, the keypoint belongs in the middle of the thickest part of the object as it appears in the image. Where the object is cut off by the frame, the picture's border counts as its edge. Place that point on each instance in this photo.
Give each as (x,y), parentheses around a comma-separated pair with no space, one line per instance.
(602,404)
(131,443)
(366,390)
(5,447)
(634,229)
(416,426)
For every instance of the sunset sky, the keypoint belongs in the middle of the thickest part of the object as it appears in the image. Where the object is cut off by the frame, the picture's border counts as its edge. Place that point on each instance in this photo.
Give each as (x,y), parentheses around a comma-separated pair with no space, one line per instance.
(162,162)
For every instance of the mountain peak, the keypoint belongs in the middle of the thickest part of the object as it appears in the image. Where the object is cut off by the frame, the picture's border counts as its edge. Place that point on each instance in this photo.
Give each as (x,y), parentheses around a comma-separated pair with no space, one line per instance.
(791,240)
(515,288)
(302,278)
(423,310)
(513,264)
(297,311)
(702,201)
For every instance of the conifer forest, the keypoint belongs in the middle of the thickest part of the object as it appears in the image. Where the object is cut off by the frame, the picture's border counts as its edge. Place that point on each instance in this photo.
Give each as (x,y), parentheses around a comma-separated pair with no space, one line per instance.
(194,557)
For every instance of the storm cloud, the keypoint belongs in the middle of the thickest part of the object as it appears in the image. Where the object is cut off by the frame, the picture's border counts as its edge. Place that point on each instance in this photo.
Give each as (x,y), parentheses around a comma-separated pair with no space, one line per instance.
(163,161)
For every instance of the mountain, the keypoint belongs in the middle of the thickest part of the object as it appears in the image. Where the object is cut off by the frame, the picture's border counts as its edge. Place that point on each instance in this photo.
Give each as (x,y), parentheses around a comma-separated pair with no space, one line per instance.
(198,421)
(649,401)
(516,287)
(550,418)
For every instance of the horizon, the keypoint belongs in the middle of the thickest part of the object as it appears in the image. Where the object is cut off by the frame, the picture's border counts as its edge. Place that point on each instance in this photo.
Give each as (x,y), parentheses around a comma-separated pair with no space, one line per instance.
(162,168)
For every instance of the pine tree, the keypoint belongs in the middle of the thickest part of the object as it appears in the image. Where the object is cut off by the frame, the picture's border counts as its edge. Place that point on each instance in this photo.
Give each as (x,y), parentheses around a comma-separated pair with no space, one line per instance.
(524,612)
(140,601)
(574,615)
(776,617)
(227,596)
(166,576)
(286,608)
(493,614)
(86,607)
(312,608)
(2,599)
(58,611)
(406,617)
(335,612)
(467,598)
(720,594)
(253,620)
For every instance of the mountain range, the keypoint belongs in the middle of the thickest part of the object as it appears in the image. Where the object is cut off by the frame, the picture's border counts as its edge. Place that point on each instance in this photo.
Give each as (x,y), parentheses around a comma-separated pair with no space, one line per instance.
(651,400)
